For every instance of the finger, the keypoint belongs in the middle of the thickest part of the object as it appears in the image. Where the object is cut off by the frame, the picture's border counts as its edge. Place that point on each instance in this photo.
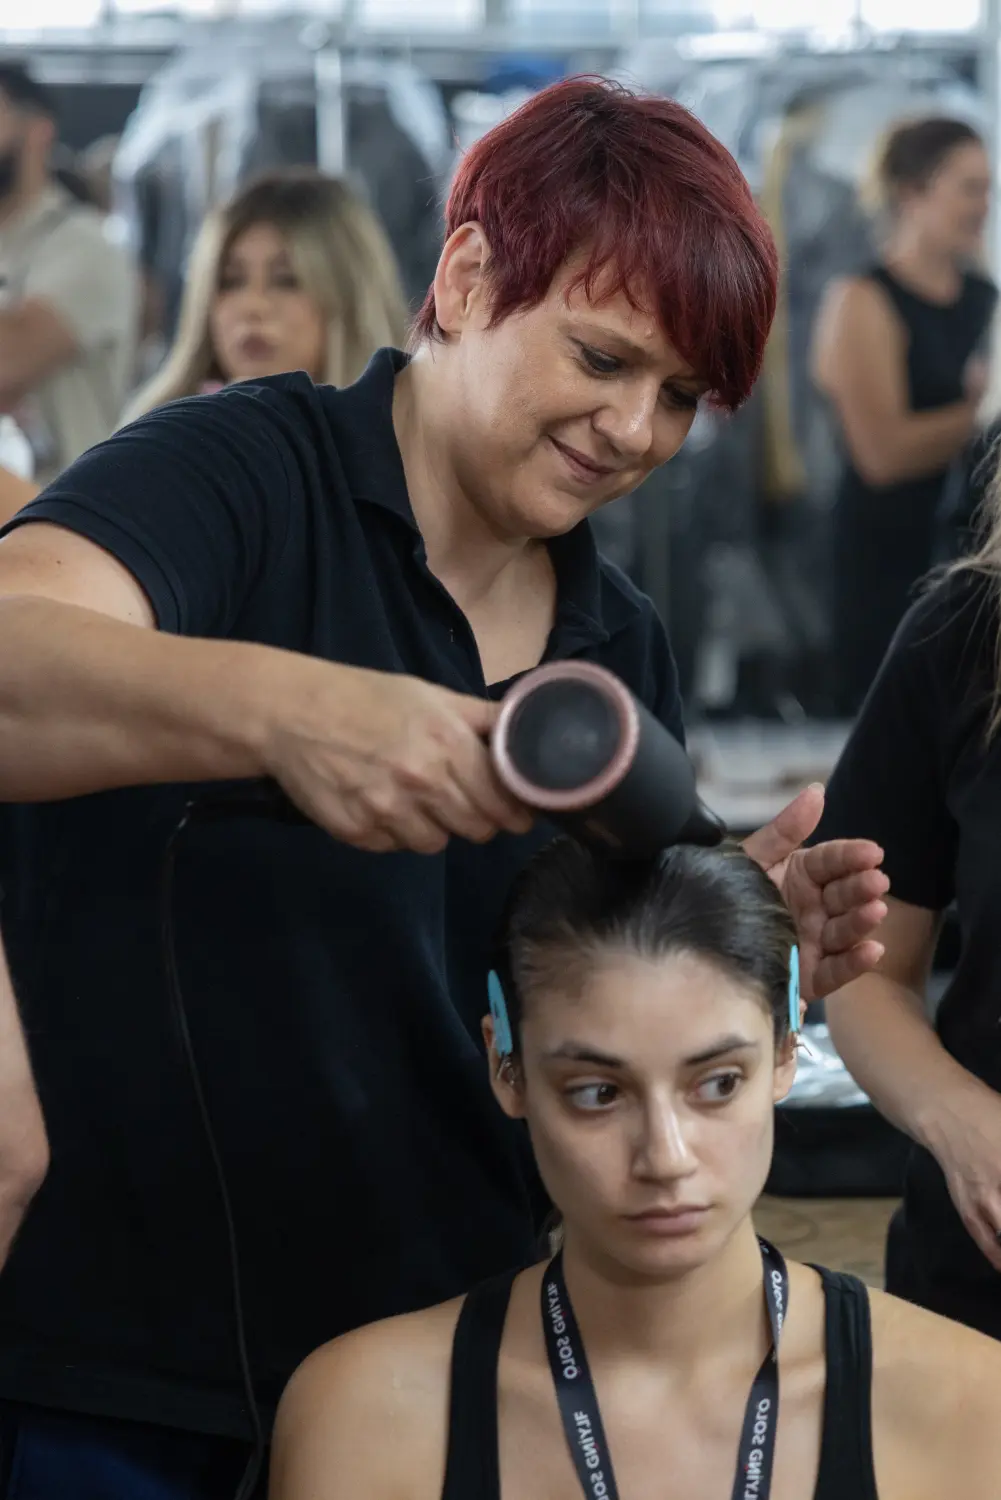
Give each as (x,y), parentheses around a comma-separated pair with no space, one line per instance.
(985,1226)
(479,713)
(475,775)
(418,830)
(836,970)
(381,821)
(786,832)
(842,933)
(840,857)
(841,896)
(463,801)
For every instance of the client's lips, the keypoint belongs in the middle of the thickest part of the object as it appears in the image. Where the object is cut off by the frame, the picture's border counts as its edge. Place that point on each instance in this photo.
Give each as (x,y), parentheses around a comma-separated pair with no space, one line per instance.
(677,1220)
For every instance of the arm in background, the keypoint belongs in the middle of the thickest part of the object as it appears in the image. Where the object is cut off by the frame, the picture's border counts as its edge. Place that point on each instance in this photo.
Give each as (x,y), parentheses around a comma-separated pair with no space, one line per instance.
(858,361)
(880,1027)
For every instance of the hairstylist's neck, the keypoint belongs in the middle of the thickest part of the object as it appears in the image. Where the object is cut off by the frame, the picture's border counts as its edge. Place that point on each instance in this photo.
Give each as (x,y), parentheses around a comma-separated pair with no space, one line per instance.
(679,1322)
(464,549)
(926,268)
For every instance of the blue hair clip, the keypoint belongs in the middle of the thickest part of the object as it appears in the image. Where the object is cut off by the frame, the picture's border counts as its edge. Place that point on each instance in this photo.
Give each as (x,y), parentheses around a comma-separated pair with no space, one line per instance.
(503,1040)
(794,998)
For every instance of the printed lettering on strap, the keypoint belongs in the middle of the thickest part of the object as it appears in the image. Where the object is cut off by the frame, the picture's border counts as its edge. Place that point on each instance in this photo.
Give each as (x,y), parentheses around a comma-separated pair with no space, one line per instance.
(578,1400)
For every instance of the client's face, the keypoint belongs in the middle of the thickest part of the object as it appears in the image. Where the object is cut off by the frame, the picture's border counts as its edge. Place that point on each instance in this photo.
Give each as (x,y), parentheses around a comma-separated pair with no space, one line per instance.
(649,1089)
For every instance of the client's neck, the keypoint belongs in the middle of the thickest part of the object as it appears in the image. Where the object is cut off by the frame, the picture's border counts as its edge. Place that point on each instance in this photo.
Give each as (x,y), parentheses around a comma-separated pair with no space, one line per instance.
(678,1321)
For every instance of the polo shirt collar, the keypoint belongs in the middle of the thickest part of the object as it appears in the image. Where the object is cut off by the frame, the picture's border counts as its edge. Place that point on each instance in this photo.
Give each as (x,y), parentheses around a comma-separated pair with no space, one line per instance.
(374,470)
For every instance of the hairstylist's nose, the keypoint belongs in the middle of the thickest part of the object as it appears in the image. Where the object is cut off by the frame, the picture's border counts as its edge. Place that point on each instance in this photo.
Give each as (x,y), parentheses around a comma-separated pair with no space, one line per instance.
(663,1153)
(626,420)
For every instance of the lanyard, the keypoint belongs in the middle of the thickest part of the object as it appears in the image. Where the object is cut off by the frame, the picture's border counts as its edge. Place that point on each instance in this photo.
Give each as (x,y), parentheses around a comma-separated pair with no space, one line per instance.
(578,1400)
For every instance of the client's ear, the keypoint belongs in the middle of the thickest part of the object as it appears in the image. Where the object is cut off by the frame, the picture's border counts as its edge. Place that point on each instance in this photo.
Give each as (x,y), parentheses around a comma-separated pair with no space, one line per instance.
(785,1068)
(505,1075)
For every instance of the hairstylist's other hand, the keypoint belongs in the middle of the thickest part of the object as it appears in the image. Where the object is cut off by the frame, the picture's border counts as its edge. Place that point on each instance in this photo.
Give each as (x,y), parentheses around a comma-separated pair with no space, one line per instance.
(834,892)
(386,762)
(967,1144)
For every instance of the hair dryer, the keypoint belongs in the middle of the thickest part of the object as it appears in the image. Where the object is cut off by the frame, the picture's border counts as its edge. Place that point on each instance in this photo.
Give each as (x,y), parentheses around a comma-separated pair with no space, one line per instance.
(573,742)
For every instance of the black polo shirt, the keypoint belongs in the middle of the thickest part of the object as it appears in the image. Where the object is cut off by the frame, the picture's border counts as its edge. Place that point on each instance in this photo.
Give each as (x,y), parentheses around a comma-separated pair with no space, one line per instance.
(334,996)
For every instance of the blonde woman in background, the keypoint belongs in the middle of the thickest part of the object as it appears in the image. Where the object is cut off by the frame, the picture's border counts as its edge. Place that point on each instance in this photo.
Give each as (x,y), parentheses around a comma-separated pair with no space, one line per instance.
(294,273)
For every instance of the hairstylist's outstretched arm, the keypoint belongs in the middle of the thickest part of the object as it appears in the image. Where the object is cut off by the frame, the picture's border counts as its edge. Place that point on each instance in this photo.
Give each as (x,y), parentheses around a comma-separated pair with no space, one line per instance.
(93,696)
(835,893)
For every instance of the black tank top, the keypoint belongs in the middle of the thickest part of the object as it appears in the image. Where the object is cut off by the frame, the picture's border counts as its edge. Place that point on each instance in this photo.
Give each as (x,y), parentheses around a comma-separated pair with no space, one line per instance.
(887,537)
(846,1469)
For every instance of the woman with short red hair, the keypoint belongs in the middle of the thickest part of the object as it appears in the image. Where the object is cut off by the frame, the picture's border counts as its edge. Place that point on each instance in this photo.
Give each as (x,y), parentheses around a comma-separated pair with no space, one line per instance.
(268,1121)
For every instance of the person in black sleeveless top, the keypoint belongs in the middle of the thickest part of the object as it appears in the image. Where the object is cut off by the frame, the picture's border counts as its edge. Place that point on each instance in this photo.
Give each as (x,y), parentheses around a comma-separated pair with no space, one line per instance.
(640,1023)
(899,352)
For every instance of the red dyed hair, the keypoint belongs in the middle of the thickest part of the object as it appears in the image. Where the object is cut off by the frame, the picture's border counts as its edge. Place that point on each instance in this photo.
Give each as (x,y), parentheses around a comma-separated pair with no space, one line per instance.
(656,198)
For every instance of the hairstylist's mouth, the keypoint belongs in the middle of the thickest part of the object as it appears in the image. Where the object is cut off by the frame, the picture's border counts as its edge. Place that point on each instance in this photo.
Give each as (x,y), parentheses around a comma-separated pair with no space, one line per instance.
(585,470)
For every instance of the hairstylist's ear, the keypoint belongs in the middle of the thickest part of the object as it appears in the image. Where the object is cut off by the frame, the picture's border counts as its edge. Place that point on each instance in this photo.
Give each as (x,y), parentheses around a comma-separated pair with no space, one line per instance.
(460,292)
(505,1075)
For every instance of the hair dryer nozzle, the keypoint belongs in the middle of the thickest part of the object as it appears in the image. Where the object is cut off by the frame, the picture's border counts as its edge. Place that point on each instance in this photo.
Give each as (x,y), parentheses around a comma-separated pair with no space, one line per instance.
(573,742)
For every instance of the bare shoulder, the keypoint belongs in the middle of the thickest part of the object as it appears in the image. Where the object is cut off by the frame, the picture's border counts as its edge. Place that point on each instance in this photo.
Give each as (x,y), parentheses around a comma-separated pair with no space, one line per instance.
(390,1379)
(936,1401)
(855,307)
(855,316)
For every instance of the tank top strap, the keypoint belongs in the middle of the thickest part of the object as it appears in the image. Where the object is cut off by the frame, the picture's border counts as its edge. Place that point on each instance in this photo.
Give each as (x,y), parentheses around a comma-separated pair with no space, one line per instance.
(846,1462)
(905,302)
(472,1468)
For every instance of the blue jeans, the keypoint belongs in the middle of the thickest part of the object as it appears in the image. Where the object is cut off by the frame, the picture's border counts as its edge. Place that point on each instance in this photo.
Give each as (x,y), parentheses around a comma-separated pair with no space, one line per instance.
(52,1455)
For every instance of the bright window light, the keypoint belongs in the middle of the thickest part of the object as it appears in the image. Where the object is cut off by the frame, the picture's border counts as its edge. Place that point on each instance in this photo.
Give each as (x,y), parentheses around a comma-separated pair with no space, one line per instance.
(414,15)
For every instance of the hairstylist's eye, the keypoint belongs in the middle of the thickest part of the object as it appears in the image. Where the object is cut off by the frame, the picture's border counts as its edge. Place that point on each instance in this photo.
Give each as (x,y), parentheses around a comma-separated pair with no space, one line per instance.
(681,398)
(593,1096)
(720,1088)
(598,363)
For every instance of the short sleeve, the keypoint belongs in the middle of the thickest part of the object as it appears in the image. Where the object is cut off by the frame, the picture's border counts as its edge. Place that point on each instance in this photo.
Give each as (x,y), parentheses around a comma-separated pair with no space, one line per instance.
(88,281)
(890,783)
(194,499)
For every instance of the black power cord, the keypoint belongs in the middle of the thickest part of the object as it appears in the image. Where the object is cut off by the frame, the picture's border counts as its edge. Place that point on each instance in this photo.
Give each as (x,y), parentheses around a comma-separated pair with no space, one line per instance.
(193,812)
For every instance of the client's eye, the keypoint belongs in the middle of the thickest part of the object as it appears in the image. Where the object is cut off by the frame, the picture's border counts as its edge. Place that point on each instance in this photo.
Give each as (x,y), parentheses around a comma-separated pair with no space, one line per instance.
(720,1088)
(592,1096)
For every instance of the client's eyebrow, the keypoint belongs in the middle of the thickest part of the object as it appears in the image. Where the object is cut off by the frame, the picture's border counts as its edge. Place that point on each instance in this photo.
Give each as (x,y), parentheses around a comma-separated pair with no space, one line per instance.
(726,1044)
(573,1052)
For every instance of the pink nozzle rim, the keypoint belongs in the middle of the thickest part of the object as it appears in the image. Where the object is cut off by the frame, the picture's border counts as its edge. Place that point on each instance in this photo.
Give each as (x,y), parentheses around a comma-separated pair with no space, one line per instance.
(579,798)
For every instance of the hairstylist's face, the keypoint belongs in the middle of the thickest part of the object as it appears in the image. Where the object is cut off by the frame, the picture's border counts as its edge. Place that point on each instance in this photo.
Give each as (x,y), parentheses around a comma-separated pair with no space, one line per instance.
(262,322)
(558,409)
(952,209)
(649,1093)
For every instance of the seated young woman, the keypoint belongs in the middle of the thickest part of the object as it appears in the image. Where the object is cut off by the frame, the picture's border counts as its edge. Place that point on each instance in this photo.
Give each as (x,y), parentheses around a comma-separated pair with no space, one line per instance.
(643,1025)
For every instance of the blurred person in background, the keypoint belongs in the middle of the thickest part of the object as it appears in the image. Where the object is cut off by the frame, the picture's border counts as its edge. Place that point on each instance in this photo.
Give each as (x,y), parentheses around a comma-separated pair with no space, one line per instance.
(68,297)
(921,774)
(293,273)
(898,352)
